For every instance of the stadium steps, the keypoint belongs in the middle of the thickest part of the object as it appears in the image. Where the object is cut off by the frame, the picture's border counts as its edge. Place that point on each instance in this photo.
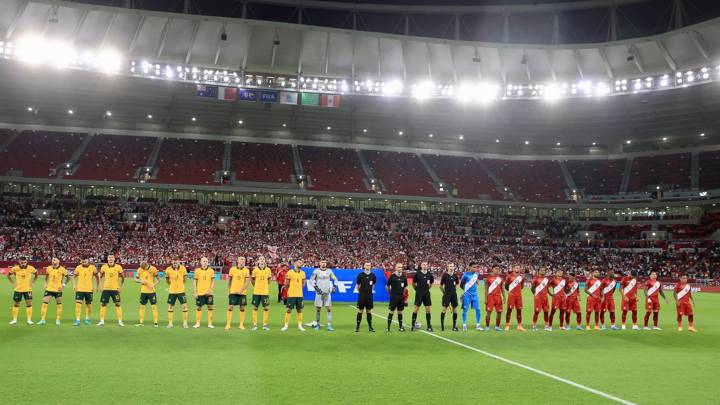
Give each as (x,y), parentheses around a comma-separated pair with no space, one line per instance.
(695,170)
(437,181)
(227,157)
(566,174)
(152,159)
(76,155)
(13,135)
(369,174)
(500,186)
(297,161)
(626,175)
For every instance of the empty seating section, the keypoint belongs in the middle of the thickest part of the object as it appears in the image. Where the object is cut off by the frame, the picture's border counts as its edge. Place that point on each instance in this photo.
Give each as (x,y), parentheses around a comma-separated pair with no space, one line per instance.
(668,170)
(38,154)
(400,173)
(113,157)
(531,180)
(710,170)
(597,177)
(620,232)
(262,162)
(465,174)
(189,161)
(333,169)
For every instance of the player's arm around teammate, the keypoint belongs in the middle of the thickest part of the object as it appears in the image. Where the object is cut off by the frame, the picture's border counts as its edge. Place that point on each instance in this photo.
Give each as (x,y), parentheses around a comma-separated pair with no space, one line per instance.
(22,276)
(56,277)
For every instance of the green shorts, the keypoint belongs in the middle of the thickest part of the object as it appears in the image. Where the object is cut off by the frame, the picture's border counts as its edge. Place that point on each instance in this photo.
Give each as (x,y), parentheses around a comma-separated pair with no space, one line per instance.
(202,300)
(84,296)
(260,299)
(106,295)
(145,297)
(294,303)
(237,299)
(173,298)
(54,294)
(19,296)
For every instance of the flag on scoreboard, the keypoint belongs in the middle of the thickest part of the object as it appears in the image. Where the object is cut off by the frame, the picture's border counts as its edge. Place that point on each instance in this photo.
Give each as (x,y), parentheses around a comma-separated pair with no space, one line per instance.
(203,90)
(309,99)
(288,97)
(330,100)
(227,93)
(247,95)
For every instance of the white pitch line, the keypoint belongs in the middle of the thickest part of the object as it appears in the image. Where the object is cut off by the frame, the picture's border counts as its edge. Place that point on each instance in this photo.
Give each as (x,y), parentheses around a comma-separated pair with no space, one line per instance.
(523,366)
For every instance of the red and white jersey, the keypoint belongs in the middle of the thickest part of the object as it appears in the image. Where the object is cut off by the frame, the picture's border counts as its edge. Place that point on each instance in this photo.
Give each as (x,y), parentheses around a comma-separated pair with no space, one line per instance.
(558,287)
(540,286)
(608,288)
(571,290)
(594,287)
(494,285)
(683,292)
(629,286)
(653,288)
(514,284)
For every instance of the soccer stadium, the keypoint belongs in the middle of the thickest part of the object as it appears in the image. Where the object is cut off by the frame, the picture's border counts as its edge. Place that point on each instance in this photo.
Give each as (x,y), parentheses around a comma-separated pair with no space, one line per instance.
(310,201)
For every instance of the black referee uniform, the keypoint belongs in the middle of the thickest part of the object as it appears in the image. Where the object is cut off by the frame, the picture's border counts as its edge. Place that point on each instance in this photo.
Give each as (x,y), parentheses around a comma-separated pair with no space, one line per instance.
(365,283)
(397,285)
(449,284)
(423,282)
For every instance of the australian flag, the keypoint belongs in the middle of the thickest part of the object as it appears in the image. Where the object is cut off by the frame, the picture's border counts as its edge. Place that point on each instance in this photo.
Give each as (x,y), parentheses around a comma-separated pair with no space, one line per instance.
(203,90)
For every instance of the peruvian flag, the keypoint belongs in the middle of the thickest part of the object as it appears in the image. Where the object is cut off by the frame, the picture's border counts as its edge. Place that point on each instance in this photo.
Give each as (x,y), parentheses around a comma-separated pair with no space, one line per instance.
(227,93)
(330,100)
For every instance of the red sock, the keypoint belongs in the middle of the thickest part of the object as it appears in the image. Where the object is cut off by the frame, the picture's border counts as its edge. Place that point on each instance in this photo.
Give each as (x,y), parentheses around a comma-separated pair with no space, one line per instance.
(507,316)
(567,318)
(691,320)
(535,317)
(634,317)
(679,320)
(518,312)
(545,317)
(624,317)
(562,318)
(552,315)
(656,315)
(647,318)
(602,318)
(579,318)
(612,318)
(587,318)
(498,316)
(487,320)
(597,318)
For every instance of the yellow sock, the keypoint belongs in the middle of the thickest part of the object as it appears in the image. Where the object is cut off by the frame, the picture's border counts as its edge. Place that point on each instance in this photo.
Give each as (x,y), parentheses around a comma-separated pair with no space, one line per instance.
(210,316)
(171,314)
(78,309)
(58,316)
(242,318)
(15,311)
(254,317)
(266,317)
(185,315)
(299,318)
(287,318)
(119,313)
(88,311)
(43,311)
(103,311)
(28,311)
(198,316)
(155,313)
(142,314)
(228,319)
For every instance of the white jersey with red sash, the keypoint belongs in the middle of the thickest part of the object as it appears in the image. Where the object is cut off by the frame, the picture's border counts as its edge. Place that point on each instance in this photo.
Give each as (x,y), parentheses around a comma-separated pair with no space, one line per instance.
(541,286)
(594,288)
(514,284)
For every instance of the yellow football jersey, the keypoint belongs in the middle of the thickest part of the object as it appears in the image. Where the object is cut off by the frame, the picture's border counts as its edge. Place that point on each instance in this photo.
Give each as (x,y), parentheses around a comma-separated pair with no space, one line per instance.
(296,281)
(238,278)
(84,276)
(23,277)
(148,276)
(204,279)
(111,276)
(55,278)
(262,281)
(177,279)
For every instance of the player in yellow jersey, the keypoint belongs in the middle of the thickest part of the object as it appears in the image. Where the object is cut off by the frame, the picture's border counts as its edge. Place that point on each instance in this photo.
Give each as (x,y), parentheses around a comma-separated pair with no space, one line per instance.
(112,277)
(56,277)
(204,284)
(238,282)
(22,276)
(261,276)
(147,277)
(83,285)
(294,282)
(176,275)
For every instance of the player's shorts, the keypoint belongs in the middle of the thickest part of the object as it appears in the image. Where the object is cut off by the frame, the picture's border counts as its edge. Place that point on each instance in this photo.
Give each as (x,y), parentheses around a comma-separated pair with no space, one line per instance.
(608,305)
(471,301)
(652,304)
(450,300)
(148,297)
(19,296)
(173,298)
(110,294)
(573,305)
(237,299)
(514,301)
(630,304)
(323,300)
(593,304)
(84,296)
(684,308)
(257,300)
(423,298)
(365,301)
(397,302)
(559,303)
(54,294)
(202,300)
(541,304)
(494,302)
(294,303)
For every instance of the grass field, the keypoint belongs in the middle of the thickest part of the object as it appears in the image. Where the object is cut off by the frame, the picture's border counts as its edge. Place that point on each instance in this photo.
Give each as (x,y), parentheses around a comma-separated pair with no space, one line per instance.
(50,364)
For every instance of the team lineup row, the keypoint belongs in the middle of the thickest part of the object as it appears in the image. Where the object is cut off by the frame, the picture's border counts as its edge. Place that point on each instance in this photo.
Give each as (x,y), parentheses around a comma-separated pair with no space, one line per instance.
(499,291)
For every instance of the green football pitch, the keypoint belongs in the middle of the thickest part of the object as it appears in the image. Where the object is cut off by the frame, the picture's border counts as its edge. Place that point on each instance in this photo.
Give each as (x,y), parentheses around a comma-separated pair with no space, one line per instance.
(50,364)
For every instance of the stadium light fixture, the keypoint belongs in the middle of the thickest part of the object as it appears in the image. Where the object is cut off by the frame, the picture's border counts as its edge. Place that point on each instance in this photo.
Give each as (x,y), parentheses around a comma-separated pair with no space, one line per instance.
(193,119)
(430,135)
(497,141)
(149,116)
(109,60)
(401,133)
(240,122)
(553,91)
(461,137)
(31,49)
(284,125)
(628,142)
(30,109)
(527,142)
(108,113)
(422,90)
(71,112)
(328,127)
(702,134)
(594,143)
(557,144)
(664,138)
(364,130)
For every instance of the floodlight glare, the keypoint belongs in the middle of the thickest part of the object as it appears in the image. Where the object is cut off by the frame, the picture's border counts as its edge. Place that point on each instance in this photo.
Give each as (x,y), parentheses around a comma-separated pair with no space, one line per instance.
(423,90)
(109,60)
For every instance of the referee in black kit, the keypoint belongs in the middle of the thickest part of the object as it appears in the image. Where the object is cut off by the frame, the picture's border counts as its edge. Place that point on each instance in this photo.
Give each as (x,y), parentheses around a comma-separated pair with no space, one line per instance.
(396,286)
(364,284)
(422,281)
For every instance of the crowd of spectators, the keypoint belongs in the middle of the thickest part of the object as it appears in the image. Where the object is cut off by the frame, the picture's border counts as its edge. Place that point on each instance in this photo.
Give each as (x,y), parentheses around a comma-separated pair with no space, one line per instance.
(158,231)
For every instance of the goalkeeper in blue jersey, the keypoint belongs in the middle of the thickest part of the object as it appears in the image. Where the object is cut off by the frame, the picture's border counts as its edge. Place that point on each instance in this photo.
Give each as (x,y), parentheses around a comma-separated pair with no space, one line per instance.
(324,281)
(469,283)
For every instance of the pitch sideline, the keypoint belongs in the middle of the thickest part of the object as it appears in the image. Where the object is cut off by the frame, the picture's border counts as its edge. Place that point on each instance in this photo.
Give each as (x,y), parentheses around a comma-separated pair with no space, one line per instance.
(523,366)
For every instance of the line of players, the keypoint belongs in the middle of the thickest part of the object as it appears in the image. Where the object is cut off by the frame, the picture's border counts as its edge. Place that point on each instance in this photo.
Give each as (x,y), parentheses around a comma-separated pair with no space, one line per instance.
(564,292)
